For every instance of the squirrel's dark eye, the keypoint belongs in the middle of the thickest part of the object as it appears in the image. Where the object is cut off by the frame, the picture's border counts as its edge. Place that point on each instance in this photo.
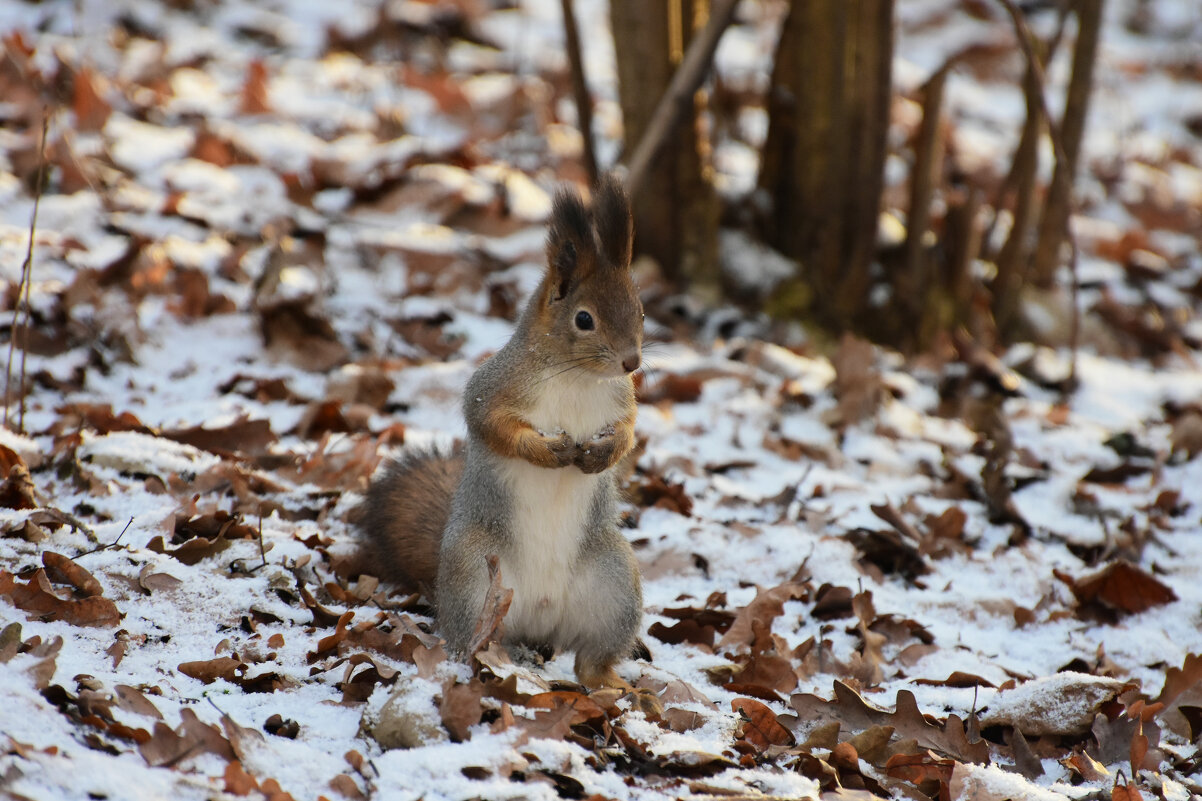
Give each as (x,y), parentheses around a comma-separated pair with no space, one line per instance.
(584,321)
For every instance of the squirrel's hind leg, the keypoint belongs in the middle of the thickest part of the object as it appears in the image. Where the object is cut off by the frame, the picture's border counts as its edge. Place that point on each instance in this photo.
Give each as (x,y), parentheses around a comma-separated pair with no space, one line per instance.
(596,675)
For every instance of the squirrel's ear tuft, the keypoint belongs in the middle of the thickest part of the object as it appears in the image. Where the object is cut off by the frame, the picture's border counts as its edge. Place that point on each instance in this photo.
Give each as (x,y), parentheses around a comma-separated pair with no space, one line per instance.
(615,226)
(569,239)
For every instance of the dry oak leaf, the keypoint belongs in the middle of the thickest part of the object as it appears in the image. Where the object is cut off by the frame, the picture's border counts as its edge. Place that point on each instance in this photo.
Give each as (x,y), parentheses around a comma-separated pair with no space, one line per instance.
(671,387)
(241,436)
(920,768)
(760,727)
(585,708)
(656,492)
(17,491)
(210,670)
(854,714)
(1064,704)
(677,692)
(489,623)
(768,673)
(832,603)
(858,386)
(550,724)
(461,708)
(310,342)
(1182,691)
(64,571)
(237,780)
(169,747)
(38,598)
(687,630)
(764,608)
(1121,586)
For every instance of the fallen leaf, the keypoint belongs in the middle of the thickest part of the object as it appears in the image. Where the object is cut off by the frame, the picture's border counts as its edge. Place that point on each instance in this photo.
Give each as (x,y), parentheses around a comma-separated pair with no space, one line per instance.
(764,608)
(854,714)
(671,387)
(585,707)
(832,603)
(771,672)
(210,670)
(1121,586)
(91,110)
(655,491)
(489,623)
(345,786)
(38,598)
(156,582)
(919,769)
(64,571)
(202,536)
(460,708)
(238,781)
(760,726)
(1086,767)
(1063,703)
(244,435)
(193,737)
(17,491)
(254,90)
(858,387)
(687,630)
(309,341)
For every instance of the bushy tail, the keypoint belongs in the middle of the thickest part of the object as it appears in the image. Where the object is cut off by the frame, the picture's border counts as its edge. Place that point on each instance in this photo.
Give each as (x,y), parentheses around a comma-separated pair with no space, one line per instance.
(404,515)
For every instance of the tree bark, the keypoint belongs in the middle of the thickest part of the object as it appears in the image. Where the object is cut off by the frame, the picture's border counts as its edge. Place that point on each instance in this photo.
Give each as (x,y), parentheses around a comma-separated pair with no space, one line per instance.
(1054,224)
(823,161)
(676,206)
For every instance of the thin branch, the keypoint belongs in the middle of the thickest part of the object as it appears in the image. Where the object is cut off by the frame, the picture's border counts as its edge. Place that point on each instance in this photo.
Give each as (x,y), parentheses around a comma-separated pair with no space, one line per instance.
(112,544)
(262,550)
(22,324)
(1025,41)
(584,101)
(678,97)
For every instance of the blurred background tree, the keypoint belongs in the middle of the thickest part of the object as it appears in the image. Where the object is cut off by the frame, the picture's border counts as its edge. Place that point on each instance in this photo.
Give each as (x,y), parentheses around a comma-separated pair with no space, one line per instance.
(818,199)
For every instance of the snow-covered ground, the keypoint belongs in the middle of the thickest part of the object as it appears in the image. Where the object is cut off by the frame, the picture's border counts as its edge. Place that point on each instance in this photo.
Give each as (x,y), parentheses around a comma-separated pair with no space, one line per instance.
(277,237)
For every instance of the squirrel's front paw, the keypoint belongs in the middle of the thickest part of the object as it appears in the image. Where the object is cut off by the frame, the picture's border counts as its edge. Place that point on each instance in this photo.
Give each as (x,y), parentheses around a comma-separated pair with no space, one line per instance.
(562,447)
(596,454)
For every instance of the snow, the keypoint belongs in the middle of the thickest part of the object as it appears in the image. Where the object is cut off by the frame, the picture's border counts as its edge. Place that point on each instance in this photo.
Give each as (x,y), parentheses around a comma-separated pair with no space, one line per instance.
(361,247)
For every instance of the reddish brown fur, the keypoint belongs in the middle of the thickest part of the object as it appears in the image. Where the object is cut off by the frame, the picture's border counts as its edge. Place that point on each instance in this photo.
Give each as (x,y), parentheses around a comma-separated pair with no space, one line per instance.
(405,514)
(508,435)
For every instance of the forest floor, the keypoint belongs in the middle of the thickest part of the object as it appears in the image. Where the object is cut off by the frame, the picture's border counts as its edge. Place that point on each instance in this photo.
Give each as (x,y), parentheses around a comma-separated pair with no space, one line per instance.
(277,238)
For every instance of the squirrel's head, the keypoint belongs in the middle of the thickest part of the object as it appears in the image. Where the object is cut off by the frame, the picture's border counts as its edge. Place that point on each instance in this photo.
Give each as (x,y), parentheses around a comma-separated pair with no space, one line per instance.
(588,301)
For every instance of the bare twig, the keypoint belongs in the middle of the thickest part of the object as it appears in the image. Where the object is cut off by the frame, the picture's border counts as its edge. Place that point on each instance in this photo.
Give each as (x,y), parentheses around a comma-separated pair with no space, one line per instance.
(112,544)
(679,94)
(21,324)
(584,102)
(1025,41)
(262,551)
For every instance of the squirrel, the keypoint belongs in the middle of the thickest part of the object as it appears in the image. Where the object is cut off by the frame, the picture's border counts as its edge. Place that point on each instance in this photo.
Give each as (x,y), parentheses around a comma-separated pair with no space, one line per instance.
(548,417)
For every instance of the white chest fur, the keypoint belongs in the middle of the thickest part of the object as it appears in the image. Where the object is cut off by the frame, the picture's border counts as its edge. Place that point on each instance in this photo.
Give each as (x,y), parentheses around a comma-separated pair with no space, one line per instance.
(551,508)
(579,404)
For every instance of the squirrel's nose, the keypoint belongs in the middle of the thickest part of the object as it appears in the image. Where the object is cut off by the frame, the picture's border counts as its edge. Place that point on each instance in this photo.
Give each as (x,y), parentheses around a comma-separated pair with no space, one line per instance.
(631,363)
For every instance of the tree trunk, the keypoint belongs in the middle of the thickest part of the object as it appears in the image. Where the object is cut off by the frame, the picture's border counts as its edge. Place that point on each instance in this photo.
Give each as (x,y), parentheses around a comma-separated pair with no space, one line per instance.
(676,207)
(1054,224)
(824,158)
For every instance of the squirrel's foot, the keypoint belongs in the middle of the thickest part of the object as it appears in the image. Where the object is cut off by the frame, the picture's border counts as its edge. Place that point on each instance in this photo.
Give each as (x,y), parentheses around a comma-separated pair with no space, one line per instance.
(600,677)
